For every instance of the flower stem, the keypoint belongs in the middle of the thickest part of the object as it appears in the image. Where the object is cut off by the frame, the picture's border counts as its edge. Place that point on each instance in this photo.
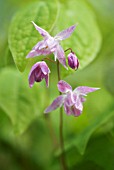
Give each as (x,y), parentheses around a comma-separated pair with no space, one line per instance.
(69,49)
(62,157)
(51,130)
(46,58)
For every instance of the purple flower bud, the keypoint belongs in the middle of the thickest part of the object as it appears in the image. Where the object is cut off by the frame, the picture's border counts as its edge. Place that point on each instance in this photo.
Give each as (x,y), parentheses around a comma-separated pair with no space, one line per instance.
(73,61)
(39,71)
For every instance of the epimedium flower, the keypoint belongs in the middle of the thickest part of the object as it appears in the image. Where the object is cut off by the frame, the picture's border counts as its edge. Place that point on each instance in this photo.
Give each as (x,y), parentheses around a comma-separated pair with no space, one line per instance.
(71,99)
(39,71)
(73,61)
(51,44)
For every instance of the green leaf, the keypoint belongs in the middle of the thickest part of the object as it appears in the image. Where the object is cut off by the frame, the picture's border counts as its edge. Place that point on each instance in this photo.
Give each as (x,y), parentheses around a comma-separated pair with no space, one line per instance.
(97,155)
(18,101)
(108,52)
(105,146)
(23,36)
(85,41)
(80,138)
(87,132)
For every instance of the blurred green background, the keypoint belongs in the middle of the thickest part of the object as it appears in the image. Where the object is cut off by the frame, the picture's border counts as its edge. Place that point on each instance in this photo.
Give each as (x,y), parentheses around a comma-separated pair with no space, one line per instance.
(28,140)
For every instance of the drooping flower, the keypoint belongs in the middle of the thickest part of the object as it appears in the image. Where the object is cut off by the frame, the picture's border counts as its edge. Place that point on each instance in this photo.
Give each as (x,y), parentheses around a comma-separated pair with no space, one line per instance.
(72,100)
(39,71)
(73,61)
(51,44)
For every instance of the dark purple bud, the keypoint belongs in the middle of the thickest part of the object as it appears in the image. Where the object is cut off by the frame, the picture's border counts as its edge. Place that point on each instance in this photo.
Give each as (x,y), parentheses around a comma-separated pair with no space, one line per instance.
(39,71)
(73,61)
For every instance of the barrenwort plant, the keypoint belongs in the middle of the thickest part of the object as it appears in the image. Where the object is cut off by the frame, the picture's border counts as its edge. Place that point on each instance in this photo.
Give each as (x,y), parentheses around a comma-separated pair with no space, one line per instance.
(72,100)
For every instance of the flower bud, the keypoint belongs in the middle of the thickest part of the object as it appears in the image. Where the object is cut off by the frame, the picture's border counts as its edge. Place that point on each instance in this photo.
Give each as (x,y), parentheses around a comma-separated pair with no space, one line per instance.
(73,61)
(39,71)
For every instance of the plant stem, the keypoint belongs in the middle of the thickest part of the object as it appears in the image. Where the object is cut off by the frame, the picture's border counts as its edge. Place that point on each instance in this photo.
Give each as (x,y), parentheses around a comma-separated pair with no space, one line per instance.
(46,58)
(62,157)
(51,130)
(68,49)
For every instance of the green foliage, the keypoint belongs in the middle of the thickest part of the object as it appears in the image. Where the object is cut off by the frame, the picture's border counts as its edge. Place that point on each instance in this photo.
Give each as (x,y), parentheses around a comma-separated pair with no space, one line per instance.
(18,101)
(80,140)
(25,140)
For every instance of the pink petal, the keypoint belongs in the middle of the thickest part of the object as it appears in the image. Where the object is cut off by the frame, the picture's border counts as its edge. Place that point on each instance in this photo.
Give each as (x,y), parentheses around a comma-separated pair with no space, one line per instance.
(31,54)
(75,111)
(78,103)
(31,77)
(65,33)
(47,80)
(63,86)
(55,104)
(85,90)
(67,109)
(43,32)
(83,99)
(44,67)
(60,55)
(45,70)
(40,45)
(69,100)
(34,53)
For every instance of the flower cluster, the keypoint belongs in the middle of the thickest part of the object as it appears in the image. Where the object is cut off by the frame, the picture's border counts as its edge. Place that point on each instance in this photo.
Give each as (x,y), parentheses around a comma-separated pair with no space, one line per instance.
(72,100)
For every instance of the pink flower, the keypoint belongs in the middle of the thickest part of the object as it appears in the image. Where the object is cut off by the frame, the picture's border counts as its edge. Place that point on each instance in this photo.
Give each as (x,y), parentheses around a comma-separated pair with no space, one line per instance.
(73,61)
(51,44)
(72,100)
(38,72)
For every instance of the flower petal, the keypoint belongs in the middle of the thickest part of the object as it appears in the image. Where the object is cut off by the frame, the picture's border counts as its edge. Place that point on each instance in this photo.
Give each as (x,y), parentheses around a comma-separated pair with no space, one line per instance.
(34,53)
(75,111)
(45,70)
(40,45)
(65,33)
(60,55)
(67,109)
(39,49)
(43,32)
(63,86)
(47,80)
(78,103)
(82,99)
(85,90)
(55,104)
(44,67)
(69,100)
(31,77)
(31,54)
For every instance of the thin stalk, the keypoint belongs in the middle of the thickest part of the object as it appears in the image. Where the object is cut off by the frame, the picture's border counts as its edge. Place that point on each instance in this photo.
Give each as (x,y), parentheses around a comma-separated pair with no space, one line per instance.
(68,49)
(62,158)
(46,58)
(51,131)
